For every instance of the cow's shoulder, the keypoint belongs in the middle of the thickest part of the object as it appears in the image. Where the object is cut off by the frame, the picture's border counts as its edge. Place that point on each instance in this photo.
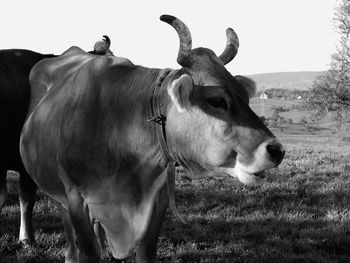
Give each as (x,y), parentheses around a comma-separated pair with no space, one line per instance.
(104,63)
(74,50)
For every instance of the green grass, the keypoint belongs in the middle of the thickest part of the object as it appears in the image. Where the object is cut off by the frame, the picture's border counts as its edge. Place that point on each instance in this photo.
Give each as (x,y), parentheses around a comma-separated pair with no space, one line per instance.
(300,214)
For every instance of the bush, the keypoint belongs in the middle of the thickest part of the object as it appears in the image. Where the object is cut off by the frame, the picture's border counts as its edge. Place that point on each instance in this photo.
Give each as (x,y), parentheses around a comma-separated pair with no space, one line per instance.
(275,116)
(303,120)
(273,123)
(346,139)
(264,120)
(279,109)
(282,120)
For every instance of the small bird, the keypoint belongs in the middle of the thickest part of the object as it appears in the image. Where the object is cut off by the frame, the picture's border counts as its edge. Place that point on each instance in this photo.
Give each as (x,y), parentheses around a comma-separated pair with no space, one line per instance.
(102,47)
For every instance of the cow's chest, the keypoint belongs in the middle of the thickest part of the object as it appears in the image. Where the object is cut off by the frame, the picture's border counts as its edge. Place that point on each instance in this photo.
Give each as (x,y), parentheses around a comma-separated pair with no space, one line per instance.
(124,220)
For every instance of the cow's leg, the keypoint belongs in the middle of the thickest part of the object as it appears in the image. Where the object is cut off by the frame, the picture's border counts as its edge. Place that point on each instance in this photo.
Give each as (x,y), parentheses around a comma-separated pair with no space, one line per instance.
(100,239)
(147,250)
(71,254)
(27,191)
(3,187)
(89,250)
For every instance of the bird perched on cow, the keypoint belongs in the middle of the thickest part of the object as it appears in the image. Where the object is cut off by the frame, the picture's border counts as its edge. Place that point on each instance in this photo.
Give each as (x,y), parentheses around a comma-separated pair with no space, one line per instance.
(102,47)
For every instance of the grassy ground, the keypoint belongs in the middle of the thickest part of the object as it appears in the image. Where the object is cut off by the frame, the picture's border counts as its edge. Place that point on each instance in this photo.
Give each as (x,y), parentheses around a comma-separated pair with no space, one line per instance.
(300,214)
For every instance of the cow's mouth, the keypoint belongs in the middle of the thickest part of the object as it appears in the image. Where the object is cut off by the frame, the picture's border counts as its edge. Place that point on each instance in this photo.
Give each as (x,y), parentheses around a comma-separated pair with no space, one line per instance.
(260,175)
(245,176)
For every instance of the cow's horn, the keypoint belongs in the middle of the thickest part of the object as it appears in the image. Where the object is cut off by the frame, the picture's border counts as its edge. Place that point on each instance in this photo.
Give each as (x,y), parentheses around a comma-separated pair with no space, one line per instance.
(184,36)
(231,48)
(107,40)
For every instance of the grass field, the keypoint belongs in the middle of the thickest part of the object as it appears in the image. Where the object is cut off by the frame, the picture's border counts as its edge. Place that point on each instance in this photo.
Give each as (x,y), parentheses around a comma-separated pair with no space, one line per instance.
(300,214)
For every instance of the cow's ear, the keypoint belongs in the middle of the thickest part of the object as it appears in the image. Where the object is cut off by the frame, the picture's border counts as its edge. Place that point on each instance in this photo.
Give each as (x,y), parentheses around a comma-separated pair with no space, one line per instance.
(248,84)
(179,91)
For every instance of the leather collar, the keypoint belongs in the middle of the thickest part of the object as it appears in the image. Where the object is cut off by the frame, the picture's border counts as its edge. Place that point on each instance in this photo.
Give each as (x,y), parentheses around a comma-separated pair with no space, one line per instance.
(160,121)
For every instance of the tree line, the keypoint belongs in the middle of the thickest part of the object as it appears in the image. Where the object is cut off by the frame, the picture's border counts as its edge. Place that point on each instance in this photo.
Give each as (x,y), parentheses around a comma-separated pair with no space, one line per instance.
(330,93)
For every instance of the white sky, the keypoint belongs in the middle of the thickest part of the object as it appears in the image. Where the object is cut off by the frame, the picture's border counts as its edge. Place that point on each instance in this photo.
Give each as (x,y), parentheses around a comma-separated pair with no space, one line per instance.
(275,35)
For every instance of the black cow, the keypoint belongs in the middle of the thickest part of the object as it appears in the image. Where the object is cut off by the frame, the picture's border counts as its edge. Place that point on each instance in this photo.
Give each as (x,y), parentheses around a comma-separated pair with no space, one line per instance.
(15,65)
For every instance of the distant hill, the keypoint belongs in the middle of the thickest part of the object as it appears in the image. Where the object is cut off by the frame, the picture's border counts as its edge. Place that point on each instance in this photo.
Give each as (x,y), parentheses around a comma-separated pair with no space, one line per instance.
(285,80)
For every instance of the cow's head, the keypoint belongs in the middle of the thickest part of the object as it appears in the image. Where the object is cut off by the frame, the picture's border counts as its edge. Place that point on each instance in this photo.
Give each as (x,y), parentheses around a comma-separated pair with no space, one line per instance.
(210,125)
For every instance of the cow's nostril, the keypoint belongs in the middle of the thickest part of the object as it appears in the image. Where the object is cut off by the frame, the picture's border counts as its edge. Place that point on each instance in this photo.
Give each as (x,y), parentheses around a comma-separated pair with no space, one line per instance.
(276,152)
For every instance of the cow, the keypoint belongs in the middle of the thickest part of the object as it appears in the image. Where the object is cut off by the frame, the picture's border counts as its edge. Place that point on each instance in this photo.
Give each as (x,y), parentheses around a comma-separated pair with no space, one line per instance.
(15,96)
(104,141)
(15,65)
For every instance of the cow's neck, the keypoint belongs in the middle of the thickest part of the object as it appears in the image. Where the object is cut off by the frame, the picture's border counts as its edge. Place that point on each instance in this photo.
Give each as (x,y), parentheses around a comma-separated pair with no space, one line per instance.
(140,176)
(159,117)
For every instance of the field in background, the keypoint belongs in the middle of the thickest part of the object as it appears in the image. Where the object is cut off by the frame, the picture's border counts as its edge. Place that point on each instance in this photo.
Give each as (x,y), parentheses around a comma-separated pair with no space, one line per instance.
(324,130)
(266,110)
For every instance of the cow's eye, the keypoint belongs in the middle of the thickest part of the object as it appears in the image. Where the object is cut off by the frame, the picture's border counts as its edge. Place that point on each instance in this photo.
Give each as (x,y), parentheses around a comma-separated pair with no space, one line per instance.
(219,103)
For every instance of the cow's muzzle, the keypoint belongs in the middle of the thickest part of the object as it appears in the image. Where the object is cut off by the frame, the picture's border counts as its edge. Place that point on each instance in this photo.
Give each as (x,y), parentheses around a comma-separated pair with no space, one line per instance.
(268,155)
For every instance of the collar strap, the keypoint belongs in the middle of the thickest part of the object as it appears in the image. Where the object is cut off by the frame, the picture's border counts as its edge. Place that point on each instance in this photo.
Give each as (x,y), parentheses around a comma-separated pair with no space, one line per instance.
(160,121)
(170,170)
(158,117)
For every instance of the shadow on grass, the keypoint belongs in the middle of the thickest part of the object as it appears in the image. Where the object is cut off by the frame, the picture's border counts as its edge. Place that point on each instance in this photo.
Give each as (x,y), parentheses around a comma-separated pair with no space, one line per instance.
(227,222)
(293,226)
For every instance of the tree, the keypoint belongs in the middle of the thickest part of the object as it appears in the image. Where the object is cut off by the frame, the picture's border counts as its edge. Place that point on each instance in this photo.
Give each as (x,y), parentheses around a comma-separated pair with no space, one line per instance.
(303,121)
(330,92)
(264,120)
(275,116)
(282,121)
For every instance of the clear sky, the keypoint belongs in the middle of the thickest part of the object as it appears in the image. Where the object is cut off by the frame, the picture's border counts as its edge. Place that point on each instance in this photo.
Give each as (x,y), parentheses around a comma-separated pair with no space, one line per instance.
(275,35)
